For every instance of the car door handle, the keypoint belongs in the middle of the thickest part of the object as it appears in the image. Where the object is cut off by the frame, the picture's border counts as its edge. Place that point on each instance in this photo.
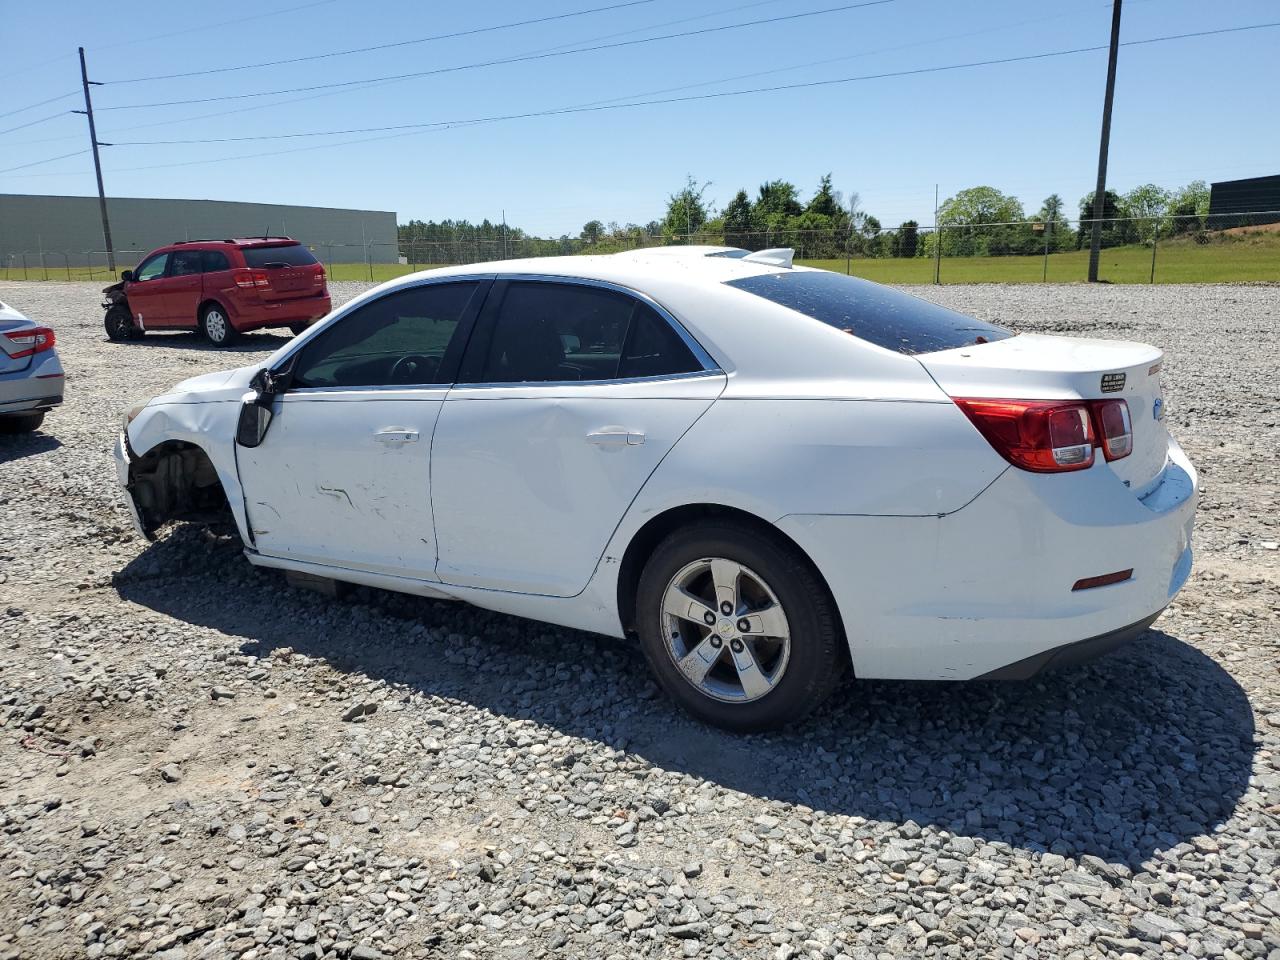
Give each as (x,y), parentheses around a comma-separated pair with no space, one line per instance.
(396,435)
(616,437)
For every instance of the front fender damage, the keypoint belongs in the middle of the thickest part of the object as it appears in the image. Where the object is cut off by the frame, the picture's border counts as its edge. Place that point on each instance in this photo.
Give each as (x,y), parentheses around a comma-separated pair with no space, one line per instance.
(176,481)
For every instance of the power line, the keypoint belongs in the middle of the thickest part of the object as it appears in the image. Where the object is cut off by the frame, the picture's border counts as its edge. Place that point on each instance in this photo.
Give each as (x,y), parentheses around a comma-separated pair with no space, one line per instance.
(384,46)
(32,106)
(364,85)
(506,60)
(598,107)
(235,21)
(36,163)
(32,123)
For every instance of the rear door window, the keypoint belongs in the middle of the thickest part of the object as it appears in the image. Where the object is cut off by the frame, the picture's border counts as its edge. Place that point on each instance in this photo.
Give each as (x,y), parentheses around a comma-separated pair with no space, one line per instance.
(547,332)
(185,262)
(292,255)
(872,312)
(214,260)
(402,339)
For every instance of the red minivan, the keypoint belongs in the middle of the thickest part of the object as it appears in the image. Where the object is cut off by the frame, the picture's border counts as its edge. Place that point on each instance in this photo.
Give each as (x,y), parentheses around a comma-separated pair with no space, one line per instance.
(221,288)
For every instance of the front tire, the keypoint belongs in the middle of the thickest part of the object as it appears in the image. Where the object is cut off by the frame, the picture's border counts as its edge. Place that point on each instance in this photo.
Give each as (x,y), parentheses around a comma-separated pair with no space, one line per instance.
(23,423)
(738,627)
(216,326)
(120,325)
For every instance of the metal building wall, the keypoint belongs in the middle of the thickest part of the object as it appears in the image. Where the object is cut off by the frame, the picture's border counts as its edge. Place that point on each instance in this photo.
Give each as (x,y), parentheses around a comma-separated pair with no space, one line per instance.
(71,227)
(1250,202)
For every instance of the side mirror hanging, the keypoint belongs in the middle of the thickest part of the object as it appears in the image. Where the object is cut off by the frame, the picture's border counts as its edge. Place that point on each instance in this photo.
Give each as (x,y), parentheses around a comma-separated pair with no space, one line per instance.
(255,417)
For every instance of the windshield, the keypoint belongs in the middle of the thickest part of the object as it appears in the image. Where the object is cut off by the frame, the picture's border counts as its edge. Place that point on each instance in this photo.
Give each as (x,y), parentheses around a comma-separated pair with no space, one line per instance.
(872,312)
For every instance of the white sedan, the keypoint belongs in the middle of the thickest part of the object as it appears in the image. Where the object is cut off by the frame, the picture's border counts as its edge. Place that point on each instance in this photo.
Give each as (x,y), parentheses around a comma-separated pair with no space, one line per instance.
(768,474)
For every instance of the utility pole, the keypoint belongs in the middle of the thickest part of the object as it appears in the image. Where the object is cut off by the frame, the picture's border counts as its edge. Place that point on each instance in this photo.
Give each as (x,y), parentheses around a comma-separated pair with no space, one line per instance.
(1100,192)
(97,163)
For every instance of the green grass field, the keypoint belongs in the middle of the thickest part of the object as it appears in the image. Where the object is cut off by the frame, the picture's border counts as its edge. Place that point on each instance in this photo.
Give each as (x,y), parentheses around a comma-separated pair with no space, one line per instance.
(1225,259)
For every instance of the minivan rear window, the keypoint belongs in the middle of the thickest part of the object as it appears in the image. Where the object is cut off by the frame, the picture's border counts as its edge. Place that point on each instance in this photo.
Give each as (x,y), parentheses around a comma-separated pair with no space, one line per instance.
(878,314)
(295,255)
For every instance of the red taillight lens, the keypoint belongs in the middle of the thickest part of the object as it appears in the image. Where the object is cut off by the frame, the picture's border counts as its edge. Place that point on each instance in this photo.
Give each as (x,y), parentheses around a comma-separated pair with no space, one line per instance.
(1044,436)
(318,277)
(32,341)
(248,279)
(1115,428)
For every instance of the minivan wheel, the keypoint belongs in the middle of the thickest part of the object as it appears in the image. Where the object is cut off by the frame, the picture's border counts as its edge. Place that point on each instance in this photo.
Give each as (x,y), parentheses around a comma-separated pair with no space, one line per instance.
(120,325)
(738,627)
(216,326)
(298,328)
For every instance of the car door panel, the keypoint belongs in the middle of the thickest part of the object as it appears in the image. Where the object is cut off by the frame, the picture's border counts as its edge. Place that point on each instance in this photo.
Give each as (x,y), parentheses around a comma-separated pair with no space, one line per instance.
(531,481)
(182,288)
(147,296)
(342,476)
(343,479)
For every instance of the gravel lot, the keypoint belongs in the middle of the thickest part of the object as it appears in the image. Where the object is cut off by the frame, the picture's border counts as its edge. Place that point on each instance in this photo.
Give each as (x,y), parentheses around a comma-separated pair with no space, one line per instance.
(199,761)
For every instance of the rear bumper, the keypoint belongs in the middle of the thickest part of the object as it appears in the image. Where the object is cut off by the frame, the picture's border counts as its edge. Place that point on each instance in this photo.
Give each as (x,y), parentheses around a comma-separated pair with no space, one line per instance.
(987,590)
(38,387)
(282,313)
(1073,654)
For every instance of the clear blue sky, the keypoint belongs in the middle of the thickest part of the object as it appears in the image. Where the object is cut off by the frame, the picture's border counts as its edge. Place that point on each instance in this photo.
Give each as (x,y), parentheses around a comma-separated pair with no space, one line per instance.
(1200,108)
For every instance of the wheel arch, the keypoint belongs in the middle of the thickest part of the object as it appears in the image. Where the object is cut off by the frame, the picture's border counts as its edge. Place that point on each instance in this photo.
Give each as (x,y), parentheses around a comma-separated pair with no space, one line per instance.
(657,528)
(207,302)
(177,480)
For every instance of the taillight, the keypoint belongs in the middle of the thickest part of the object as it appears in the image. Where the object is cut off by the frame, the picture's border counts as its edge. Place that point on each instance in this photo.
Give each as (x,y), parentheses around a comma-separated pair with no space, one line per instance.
(31,341)
(318,275)
(1115,428)
(1044,436)
(1052,436)
(248,279)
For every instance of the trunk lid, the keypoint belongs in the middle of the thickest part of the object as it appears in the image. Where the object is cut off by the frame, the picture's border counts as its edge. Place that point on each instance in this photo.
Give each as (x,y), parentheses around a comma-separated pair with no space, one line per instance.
(1041,367)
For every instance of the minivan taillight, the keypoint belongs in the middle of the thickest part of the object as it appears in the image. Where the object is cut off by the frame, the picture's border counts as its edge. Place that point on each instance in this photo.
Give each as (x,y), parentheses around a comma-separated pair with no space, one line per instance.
(1044,436)
(248,279)
(1052,436)
(317,276)
(1114,428)
(31,341)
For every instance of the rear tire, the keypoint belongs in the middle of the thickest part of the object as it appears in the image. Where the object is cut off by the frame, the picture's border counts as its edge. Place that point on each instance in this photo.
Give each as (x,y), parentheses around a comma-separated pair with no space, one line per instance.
(297,328)
(216,326)
(120,325)
(776,654)
(23,423)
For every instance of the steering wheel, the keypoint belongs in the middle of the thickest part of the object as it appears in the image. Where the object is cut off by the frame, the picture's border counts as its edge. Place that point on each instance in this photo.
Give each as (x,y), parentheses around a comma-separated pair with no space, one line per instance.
(414,368)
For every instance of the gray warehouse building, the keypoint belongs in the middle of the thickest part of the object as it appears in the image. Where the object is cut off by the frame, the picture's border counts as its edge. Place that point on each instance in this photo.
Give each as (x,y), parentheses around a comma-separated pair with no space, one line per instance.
(69,229)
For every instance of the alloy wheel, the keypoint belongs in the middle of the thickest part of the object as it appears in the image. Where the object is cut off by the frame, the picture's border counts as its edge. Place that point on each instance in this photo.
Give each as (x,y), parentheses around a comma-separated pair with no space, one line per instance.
(215,325)
(726,630)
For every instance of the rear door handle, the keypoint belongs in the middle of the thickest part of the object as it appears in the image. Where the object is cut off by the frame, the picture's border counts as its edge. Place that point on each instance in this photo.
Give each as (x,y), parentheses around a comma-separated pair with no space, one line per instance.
(616,437)
(396,435)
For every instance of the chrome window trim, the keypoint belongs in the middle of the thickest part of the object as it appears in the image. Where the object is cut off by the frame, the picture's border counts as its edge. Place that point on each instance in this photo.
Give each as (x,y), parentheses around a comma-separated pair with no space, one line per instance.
(709,365)
(526,384)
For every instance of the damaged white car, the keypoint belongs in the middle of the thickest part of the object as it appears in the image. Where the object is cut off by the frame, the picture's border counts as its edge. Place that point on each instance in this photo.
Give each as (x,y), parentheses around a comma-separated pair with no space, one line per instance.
(767,473)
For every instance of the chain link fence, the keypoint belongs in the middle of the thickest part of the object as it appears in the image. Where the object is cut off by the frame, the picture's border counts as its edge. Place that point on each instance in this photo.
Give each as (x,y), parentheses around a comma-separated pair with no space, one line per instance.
(1155,249)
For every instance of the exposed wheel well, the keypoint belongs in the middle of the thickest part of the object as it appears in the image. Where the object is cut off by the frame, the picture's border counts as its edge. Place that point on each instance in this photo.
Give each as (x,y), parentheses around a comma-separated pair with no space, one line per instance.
(658,528)
(176,480)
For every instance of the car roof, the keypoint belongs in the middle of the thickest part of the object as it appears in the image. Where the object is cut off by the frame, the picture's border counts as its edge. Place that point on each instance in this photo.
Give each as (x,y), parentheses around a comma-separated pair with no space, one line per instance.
(242,242)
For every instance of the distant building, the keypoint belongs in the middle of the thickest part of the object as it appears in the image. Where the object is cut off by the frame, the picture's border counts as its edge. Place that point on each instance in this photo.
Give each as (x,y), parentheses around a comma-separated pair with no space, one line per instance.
(69,229)
(1231,200)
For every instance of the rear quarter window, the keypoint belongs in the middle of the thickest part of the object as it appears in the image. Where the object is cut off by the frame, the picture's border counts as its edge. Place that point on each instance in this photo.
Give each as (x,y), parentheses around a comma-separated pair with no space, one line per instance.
(295,255)
(869,311)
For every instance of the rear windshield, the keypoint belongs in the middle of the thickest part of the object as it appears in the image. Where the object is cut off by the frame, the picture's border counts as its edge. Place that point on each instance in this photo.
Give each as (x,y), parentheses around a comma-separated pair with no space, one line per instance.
(878,314)
(295,255)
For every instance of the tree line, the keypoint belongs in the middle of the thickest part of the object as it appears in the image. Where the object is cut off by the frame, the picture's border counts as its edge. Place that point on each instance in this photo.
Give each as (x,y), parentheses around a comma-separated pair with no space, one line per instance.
(978,221)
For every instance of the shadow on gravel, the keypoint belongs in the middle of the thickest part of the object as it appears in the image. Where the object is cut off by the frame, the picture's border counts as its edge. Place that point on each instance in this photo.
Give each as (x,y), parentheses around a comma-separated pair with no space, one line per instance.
(16,446)
(1138,752)
(253,342)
